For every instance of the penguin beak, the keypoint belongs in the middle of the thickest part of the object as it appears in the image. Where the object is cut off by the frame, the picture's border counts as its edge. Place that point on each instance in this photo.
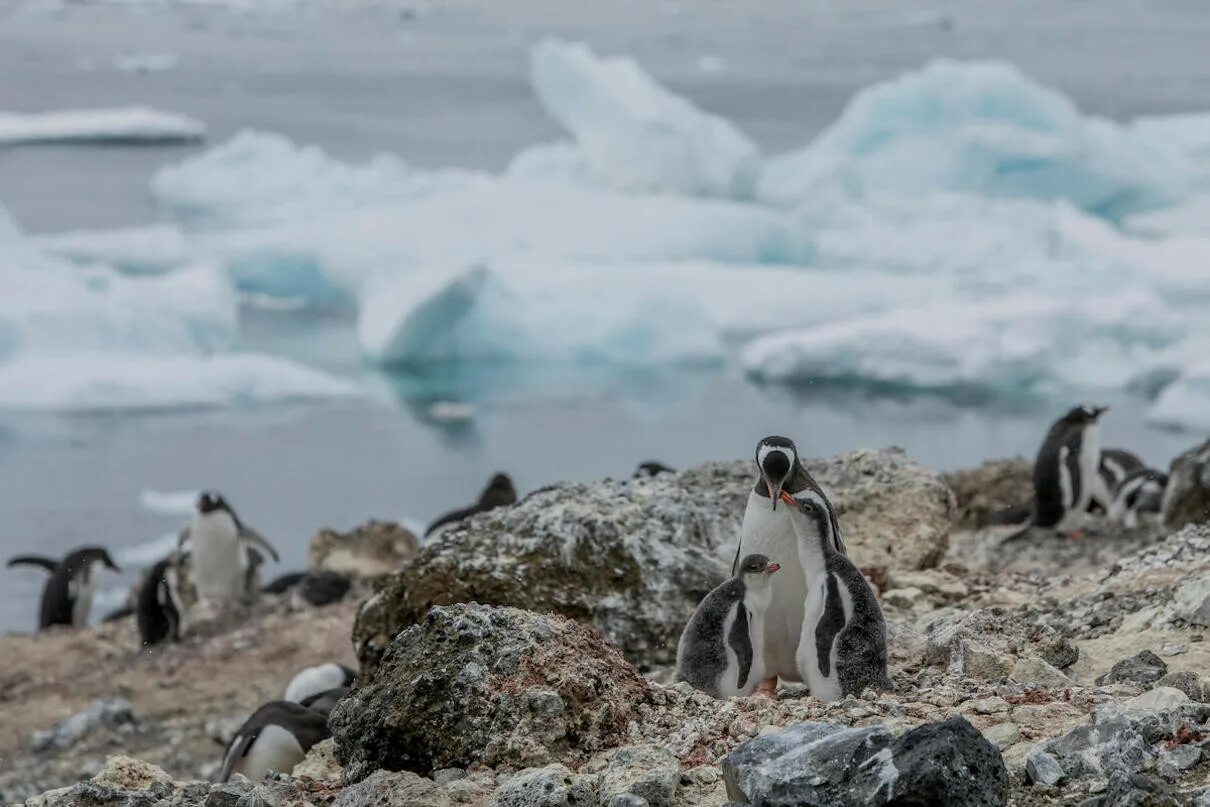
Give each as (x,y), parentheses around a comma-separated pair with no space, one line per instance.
(772,567)
(774,493)
(788,499)
(1100,410)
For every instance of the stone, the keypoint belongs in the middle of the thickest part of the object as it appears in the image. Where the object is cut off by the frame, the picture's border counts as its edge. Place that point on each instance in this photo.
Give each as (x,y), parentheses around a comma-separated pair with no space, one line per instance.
(903,597)
(123,773)
(626,800)
(1143,669)
(985,643)
(320,762)
(392,789)
(1186,681)
(483,685)
(1043,769)
(447,775)
(989,489)
(551,786)
(1037,674)
(1192,601)
(634,557)
(1003,735)
(1154,702)
(1187,496)
(948,763)
(375,549)
(1136,790)
(104,713)
(647,771)
(1181,757)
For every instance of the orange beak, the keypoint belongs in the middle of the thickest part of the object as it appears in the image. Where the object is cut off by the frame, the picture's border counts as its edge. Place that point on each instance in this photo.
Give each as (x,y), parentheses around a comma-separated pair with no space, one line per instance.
(788,499)
(772,567)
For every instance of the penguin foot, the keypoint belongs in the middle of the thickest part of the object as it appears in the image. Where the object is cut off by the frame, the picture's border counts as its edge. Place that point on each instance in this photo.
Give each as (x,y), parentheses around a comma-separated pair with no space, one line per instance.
(767,689)
(1074,535)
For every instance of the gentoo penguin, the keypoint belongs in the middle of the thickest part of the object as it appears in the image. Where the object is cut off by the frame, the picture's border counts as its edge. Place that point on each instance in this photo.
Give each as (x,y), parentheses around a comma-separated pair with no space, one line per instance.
(652,468)
(842,647)
(325,702)
(1139,498)
(275,738)
(159,609)
(67,596)
(1116,464)
(223,555)
(499,492)
(314,680)
(721,651)
(767,531)
(1066,472)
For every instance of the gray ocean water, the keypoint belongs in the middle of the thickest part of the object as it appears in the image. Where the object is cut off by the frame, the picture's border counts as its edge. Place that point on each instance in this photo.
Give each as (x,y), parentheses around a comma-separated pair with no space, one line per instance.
(444,83)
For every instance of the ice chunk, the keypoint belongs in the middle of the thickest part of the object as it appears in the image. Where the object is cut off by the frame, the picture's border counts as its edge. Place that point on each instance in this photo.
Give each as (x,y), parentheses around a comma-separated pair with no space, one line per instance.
(137,250)
(630,132)
(983,128)
(168,502)
(1185,402)
(133,125)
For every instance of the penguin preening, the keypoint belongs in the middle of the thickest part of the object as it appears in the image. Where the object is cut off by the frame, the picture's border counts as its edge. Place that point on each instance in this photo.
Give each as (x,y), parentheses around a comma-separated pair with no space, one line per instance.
(67,595)
(1139,498)
(314,680)
(159,609)
(275,738)
(498,493)
(721,650)
(767,530)
(842,645)
(224,553)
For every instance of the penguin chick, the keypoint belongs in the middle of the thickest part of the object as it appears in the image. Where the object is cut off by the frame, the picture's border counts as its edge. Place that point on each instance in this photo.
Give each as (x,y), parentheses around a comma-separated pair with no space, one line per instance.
(160,610)
(274,739)
(67,595)
(842,648)
(1139,498)
(224,555)
(721,650)
(1116,464)
(498,493)
(314,680)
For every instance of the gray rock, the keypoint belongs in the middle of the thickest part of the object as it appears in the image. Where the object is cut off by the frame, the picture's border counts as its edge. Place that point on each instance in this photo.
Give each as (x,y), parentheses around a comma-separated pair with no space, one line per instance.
(1143,669)
(1043,769)
(647,771)
(475,684)
(105,713)
(1187,496)
(1181,757)
(1186,681)
(447,775)
(947,763)
(1135,790)
(634,557)
(391,789)
(626,800)
(375,549)
(552,786)
(1192,602)
(1037,674)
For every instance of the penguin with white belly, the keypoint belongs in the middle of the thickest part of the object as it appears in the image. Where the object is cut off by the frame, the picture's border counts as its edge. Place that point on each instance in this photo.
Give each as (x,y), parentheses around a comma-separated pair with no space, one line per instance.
(274,739)
(842,646)
(223,551)
(767,530)
(721,651)
(67,595)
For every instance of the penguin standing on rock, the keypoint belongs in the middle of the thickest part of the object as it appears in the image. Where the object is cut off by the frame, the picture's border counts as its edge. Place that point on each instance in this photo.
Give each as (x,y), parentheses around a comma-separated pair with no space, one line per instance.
(498,493)
(842,646)
(721,651)
(159,607)
(274,739)
(767,530)
(67,595)
(224,552)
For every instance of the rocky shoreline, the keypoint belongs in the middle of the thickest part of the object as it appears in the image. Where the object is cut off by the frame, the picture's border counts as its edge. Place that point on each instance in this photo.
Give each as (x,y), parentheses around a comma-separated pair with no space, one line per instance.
(1050,670)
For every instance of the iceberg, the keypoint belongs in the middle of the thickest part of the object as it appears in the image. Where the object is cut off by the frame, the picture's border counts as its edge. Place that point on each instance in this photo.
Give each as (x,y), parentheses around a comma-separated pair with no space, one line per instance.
(630,132)
(150,250)
(168,502)
(1185,402)
(980,128)
(122,125)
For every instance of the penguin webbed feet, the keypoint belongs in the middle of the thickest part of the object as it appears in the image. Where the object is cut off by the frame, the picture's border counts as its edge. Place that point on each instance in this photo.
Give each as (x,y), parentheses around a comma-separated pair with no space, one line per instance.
(767,689)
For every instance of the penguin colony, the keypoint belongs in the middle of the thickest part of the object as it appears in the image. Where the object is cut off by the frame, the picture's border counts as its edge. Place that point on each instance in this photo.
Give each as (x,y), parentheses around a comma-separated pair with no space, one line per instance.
(795,608)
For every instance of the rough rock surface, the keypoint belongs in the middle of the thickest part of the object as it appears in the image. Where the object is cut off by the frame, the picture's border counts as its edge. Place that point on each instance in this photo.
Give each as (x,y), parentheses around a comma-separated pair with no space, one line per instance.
(1144,669)
(482,685)
(990,488)
(1187,497)
(375,549)
(634,557)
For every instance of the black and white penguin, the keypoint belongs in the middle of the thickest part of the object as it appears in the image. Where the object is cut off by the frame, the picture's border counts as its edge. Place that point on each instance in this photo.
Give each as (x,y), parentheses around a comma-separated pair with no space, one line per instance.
(224,552)
(325,702)
(498,493)
(842,646)
(721,650)
(652,468)
(1139,498)
(1116,464)
(320,678)
(67,595)
(767,531)
(274,739)
(160,610)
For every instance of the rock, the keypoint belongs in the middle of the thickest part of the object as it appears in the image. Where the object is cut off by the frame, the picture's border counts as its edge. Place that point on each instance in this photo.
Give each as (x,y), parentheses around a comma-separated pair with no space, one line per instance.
(1186,681)
(1154,702)
(1037,674)
(375,549)
(391,789)
(1143,669)
(990,488)
(903,597)
(1192,602)
(123,773)
(647,771)
(319,763)
(1043,769)
(1187,496)
(986,643)
(1181,757)
(552,786)
(106,713)
(447,775)
(1135,790)
(978,662)
(475,684)
(634,557)
(948,763)
(626,800)
(1003,735)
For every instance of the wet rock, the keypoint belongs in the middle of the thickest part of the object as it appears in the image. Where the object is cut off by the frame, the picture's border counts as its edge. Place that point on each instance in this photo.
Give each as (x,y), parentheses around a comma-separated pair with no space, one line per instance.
(552,786)
(392,789)
(1192,602)
(1143,669)
(375,549)
(634,557)
(989,489)
(475,684)
(106,713)
(648,771)
(1043,769)
(1187,497)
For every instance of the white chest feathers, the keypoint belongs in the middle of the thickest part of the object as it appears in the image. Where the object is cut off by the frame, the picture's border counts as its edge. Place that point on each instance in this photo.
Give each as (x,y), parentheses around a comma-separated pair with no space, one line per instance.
(219,558)
(274,750)
(817,659)
(82,589)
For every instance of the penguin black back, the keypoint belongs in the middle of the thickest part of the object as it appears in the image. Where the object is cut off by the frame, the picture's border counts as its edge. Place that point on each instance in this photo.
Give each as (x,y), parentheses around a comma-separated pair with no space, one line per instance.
(70,580)
(498,493)
(307,727)
(159,608)
(1058,462)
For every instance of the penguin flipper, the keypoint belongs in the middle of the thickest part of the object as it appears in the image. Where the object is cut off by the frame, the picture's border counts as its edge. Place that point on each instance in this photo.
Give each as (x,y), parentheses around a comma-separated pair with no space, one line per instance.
(254,537)
(183,538)
(49,564)
(241,744)
(1021,533)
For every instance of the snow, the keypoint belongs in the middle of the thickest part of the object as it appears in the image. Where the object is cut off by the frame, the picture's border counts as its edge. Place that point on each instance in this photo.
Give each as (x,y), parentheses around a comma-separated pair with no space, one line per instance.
(154,249)
(129,125)
(168,502)
(630,132)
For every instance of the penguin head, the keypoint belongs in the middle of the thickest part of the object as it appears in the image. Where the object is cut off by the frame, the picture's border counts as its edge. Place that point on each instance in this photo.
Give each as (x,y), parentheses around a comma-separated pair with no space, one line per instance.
(757,567)
(499,492)
(1085,414)
(775,459)
(211,501)
(89,555)
(813,517)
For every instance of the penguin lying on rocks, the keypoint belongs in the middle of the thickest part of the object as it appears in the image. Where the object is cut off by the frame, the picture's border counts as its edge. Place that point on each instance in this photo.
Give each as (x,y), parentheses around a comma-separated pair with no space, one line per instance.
(498,493)
(652,468)
(842,647)
(314,680)
(67,595)
(721,651)
(1139,498)
(1116,464)
(274,739)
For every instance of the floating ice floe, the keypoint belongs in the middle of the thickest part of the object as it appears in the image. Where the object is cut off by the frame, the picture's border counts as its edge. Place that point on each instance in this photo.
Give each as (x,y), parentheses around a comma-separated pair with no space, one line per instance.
(154,249)
(129,125)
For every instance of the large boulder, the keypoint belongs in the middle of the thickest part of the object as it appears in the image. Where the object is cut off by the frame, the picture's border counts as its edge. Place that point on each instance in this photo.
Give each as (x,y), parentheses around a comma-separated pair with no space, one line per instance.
(482,685)
(375,549)
(634,557)
(990,488)
(1187,497)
